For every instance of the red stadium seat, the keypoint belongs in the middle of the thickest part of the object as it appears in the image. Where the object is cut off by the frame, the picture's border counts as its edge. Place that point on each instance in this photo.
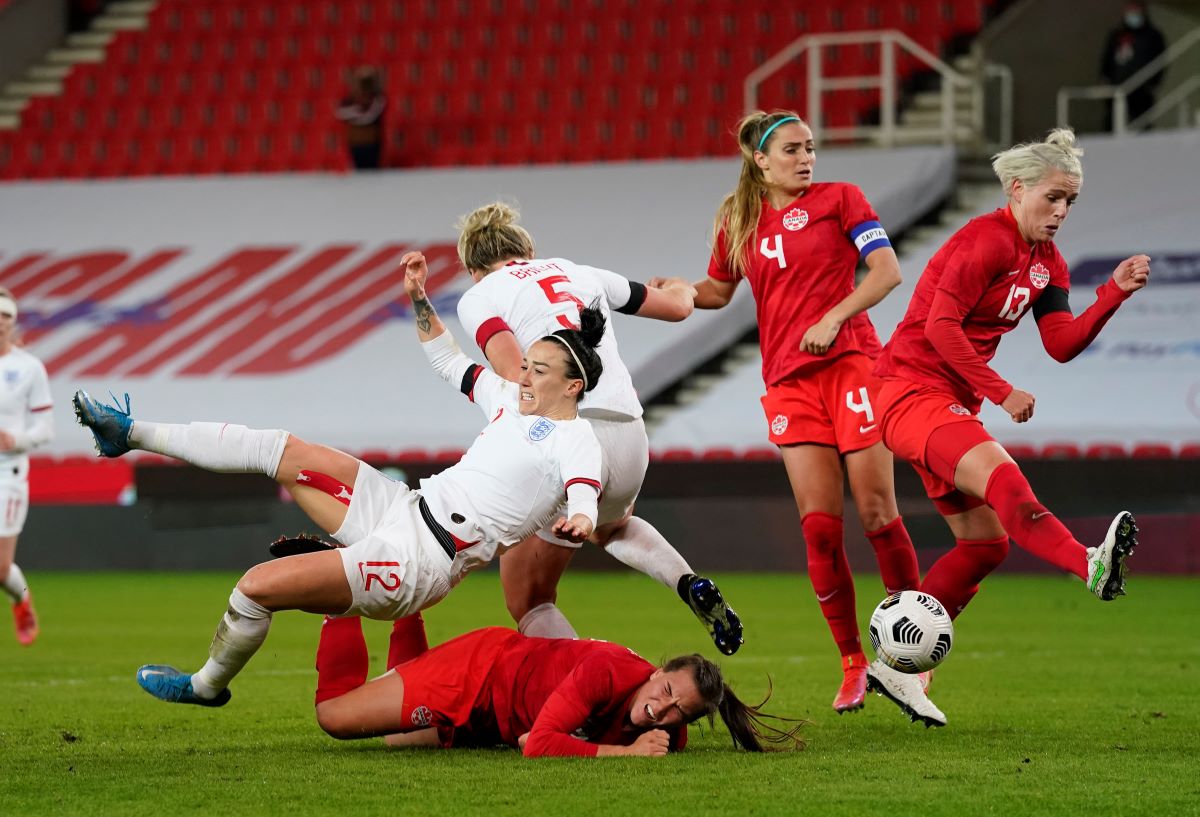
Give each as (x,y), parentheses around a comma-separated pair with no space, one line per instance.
(762,453)
(718,454)
(1189,451)
(1061,451)
(674,455)
(1105,451)
(1021,451)
(1153,451)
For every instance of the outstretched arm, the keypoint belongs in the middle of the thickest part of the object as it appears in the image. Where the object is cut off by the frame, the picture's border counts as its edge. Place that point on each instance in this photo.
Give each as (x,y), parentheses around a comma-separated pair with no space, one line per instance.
(1065,336)
(667,299)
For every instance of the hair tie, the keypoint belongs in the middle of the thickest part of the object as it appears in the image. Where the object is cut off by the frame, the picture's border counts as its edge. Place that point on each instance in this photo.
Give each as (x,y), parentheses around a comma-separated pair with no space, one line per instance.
(763,140)
(578,363)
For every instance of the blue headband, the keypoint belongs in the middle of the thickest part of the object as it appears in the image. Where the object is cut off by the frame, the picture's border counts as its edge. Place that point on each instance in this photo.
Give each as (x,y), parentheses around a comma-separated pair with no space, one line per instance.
(763,141)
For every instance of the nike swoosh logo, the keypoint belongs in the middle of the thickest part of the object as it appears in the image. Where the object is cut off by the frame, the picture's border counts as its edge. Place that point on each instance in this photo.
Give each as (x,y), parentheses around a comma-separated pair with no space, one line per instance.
(865,429)
(1014,272)
(824,599)
(1037,516)
(147,672)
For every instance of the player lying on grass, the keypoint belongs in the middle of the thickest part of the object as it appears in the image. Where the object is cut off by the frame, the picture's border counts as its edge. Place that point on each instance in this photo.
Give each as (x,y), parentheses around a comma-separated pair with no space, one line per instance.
(548,696)
(405,548)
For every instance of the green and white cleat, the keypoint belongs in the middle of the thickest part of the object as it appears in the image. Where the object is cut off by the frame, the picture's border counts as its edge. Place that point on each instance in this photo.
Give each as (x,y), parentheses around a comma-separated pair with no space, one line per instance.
(1106,563)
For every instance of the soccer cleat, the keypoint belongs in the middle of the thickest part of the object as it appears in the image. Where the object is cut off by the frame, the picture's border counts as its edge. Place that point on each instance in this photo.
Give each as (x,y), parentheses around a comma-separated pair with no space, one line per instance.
(175,687)
(1106,563)
(296,545)
(905,692)
(854,684)
(25,620)
(109,425)
(723,624)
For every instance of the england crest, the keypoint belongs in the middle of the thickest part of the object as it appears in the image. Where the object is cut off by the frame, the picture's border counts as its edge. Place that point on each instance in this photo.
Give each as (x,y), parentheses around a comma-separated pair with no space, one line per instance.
(540,430)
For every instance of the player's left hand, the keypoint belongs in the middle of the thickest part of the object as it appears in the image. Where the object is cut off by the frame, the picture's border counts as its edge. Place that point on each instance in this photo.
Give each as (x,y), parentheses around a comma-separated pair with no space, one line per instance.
(672,283)
(1133,273)
(522,740)
(7,442)
(820,336)
(576,529)
(415,273)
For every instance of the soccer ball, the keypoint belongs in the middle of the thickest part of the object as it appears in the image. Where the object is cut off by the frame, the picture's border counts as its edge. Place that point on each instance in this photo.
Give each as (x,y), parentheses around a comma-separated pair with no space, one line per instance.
(911,631)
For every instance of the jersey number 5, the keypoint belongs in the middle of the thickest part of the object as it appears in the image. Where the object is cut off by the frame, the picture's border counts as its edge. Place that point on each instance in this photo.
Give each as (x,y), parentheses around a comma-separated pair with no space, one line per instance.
(556,297)
(1016,303)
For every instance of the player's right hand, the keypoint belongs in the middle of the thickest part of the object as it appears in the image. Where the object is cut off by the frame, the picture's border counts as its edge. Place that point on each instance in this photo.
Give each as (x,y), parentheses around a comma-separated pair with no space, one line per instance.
(415,273)
(1019,405)
(651,744)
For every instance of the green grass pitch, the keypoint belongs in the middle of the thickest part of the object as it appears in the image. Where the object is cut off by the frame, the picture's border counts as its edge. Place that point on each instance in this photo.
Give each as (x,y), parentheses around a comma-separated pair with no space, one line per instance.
(1057,704)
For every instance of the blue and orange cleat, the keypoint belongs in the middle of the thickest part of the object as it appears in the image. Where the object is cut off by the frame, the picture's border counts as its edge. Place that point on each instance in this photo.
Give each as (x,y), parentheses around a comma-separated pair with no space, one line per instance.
(175,687)
(109,425)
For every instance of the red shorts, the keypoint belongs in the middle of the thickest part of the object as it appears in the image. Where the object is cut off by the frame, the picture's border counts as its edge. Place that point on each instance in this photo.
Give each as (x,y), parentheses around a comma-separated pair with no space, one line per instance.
(441,686)
(831,405)
(909,414)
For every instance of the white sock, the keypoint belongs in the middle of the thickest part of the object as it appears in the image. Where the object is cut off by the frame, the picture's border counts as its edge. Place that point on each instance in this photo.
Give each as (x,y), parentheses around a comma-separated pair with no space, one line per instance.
(242,630)
(214,446)
(14,584)
(640,546)
(546,621)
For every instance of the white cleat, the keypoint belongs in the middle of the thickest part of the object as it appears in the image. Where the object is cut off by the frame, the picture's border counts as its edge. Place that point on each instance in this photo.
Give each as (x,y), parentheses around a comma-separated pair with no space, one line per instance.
(906,691)
(1106,563)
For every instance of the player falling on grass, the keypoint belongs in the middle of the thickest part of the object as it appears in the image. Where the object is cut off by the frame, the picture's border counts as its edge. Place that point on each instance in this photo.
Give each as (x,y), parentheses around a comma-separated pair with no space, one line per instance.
(797,243)
(548,696)
(990,274)
(516,299)
(405,548)
(25,423)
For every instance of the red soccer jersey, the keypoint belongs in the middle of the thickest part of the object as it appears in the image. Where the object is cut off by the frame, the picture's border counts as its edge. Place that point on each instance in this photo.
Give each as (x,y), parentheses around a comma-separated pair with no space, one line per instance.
(801,264)
(994,277)
(569,694)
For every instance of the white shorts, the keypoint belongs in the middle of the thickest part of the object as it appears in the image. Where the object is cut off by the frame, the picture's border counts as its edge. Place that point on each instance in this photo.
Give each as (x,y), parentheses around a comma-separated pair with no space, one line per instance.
(14,498)
(393,563)
(626,454)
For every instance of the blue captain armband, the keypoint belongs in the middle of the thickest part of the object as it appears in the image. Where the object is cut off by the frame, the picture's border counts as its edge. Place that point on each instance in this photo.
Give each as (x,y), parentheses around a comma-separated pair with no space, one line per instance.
(868,237)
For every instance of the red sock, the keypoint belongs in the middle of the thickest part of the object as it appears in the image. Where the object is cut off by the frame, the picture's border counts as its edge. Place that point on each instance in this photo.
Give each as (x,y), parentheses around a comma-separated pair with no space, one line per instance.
(407,640)
(954,579)
(341,657)
(829,573)
(1029,523)
(896,556)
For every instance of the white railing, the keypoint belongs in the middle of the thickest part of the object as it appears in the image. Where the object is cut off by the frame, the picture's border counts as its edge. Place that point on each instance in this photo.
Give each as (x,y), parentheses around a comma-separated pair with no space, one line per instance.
(1119,93)
(889,42)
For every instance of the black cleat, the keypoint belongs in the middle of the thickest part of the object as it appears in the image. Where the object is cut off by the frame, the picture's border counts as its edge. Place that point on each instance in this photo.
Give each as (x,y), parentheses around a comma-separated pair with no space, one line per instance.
(723,624)
(295,545)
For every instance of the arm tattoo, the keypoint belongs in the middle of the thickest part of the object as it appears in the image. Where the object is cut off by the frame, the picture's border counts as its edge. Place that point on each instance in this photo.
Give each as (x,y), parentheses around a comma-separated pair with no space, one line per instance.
(423,311)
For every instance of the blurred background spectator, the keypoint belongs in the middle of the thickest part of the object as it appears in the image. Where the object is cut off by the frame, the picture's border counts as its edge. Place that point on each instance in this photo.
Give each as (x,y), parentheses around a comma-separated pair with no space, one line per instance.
(1131,46)
(362,112)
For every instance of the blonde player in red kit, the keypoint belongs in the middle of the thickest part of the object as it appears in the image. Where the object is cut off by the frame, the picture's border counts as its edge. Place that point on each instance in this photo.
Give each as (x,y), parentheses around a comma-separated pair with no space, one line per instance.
(797,243)
(548,696)
(989,275)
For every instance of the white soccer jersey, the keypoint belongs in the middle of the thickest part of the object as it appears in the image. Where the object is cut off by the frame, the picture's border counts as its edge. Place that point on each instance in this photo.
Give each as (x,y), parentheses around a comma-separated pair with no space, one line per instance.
(534,298)
(513,478)
(24,409)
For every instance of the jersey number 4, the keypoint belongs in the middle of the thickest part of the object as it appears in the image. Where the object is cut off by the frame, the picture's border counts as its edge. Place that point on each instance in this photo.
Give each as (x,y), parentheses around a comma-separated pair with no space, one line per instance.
(1016,303)
(775,251)
(555,297)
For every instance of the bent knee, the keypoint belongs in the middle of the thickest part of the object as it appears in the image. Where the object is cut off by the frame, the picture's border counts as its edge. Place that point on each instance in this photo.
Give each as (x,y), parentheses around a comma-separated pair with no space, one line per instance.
(333,721)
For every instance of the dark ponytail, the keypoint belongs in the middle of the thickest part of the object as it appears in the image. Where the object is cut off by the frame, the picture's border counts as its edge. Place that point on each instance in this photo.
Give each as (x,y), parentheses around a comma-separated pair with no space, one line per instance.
(582,343)
(747,724)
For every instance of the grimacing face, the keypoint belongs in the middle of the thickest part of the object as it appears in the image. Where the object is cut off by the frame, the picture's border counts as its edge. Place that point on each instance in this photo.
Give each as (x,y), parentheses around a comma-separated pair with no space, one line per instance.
(666,699)
(789,159)
(1040,209)
(545,387)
